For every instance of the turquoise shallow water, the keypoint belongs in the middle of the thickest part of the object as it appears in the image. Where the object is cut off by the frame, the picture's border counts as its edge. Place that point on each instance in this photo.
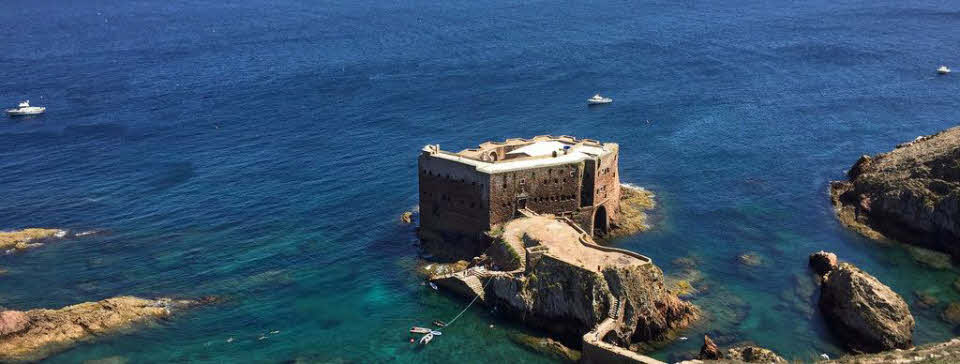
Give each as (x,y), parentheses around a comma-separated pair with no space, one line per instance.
(263,151)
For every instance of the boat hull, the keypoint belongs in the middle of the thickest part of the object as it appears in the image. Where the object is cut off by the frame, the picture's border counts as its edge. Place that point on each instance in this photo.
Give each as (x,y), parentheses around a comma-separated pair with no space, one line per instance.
(600,102)
(18,112)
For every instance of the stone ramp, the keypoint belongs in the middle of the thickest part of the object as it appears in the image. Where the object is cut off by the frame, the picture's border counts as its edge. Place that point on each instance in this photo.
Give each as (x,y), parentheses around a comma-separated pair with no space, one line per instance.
(466,282)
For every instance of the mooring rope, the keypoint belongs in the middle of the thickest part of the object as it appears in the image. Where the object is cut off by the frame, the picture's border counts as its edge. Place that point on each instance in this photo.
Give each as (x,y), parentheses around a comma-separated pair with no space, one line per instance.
(471,303)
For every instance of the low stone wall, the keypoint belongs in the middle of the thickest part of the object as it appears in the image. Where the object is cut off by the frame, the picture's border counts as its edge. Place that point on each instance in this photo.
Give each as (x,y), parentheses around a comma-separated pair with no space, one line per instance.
(595,350)
(587,241)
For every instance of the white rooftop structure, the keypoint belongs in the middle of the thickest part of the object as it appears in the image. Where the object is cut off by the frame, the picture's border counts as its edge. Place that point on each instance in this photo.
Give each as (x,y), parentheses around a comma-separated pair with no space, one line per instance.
(540,149)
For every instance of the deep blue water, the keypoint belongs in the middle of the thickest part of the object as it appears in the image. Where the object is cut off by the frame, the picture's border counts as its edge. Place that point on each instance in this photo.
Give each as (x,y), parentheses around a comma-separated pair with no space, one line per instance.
(263,151)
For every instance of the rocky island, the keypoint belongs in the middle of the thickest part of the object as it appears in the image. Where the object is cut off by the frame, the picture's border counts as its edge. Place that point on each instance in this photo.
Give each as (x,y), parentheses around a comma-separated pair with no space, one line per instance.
(911,194)
(16,240)
(27,336)
(522,216)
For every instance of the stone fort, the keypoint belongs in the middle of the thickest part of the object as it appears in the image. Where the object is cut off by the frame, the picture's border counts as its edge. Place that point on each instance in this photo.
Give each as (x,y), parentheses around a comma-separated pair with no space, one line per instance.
(465,194)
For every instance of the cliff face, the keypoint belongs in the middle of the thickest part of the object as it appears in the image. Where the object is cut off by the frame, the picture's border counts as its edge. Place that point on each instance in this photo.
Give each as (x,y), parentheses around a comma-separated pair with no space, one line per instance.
(911,194)
(569,287)
(571,300)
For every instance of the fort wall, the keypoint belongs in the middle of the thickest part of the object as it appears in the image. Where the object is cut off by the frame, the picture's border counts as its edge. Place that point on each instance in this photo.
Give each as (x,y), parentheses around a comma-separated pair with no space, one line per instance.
(471,192)
(552,189)
(453,197)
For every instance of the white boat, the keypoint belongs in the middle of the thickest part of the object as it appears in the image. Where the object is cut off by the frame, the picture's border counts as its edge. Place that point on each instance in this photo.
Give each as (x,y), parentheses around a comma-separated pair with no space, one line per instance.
(25,109)
(597,100)
(434,286)
(943,70)
(426,339)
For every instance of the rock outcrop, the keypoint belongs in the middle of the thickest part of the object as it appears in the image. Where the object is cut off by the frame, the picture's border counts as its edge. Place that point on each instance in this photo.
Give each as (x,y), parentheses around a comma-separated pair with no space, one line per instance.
(546,346)
(568,286)
(937,353)
(709,350)
(867,315)
(754,354)
(823,262)
(28,238)
(911,194)
(27,336)
(634,204)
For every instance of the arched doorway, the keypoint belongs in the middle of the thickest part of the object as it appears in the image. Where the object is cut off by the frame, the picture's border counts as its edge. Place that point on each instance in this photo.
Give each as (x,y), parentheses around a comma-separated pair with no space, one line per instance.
(600,221)
(493,156)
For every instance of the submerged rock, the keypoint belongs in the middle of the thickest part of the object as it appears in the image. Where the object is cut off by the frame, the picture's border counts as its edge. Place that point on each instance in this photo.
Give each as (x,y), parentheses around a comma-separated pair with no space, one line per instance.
(951,314)
(709,350)
(750,259)
(866,314)
(108,360)
(930,258)
(925,299)
(547,346)
(911,194)
(33,335)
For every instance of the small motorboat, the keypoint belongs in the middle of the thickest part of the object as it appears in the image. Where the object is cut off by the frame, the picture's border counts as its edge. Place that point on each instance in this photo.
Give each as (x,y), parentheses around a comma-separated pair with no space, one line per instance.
(439,323)
(597,100)
(943,70)
(25,109)
(426,339)
(436,333)
(419,330)
(434,286)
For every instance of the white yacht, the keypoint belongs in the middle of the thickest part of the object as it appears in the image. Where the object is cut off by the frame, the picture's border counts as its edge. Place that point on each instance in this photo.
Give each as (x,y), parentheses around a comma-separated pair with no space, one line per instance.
(943,70)
(597,99)
(25,109)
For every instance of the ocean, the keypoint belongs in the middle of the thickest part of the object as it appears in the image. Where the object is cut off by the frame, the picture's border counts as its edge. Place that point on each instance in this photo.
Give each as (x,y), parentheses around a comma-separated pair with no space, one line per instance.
(263,151)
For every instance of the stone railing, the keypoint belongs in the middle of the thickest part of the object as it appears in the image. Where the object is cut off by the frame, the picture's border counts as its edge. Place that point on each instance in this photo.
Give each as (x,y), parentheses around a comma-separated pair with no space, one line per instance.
(587,241)
(595,350)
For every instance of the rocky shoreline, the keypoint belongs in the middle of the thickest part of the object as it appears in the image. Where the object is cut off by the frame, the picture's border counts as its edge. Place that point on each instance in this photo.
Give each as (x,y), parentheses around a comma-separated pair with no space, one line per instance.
(27,336)
(19,240)
(635,202)
(910,194)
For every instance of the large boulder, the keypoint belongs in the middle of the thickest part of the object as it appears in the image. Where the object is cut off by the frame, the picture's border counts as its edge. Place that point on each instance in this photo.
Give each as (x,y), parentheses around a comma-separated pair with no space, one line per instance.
(911,194)
(709,350)
(867,315)
(823,262)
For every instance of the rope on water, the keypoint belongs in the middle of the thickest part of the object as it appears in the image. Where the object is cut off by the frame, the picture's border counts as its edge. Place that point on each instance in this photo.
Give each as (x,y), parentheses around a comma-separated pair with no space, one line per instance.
(471,303)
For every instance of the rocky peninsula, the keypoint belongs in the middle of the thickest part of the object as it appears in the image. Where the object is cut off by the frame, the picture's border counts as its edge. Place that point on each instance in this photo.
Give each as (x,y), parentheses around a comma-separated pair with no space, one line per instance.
(911,194)
(27,336)
(550,274)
